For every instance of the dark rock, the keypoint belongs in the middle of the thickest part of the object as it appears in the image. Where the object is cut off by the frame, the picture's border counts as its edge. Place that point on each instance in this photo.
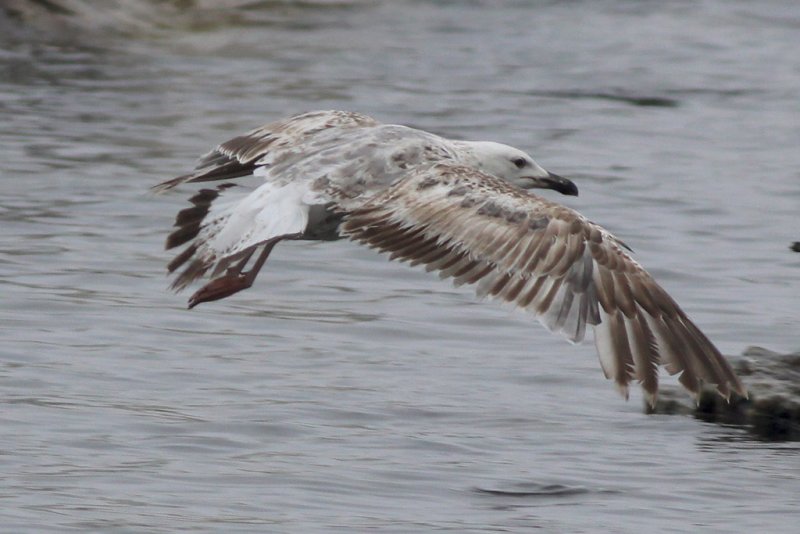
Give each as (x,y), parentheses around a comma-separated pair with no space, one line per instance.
(772,411)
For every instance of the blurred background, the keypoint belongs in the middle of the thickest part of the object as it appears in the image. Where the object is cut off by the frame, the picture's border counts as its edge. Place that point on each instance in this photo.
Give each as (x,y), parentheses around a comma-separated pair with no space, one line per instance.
(344,392)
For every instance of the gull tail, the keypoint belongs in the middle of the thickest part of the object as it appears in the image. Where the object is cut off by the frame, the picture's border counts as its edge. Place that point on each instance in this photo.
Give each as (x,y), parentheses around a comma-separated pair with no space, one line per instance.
(224,228)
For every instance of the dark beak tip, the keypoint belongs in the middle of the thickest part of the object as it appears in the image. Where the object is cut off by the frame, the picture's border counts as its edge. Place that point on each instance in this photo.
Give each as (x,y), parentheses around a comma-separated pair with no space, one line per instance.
(562,185)
(573,191)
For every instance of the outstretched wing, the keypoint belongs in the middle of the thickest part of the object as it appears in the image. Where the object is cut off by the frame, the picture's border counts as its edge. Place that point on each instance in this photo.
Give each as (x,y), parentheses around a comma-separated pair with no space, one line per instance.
(241,155)
(547,259)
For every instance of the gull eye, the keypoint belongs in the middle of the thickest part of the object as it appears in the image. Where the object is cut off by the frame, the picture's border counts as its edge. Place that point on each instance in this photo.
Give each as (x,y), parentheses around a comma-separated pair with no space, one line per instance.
(519,162)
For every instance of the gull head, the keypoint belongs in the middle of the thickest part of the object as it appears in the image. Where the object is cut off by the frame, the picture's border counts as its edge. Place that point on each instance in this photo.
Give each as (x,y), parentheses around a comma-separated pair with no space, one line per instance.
(517,167)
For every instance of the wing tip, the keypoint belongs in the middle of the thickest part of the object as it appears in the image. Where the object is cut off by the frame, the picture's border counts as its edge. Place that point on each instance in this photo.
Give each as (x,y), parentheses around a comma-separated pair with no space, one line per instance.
(165,186)
(622,389)
(651,398)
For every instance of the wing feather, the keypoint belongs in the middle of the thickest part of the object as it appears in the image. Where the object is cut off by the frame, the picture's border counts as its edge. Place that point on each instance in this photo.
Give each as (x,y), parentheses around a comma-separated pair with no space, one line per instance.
(240,156)
(545,258)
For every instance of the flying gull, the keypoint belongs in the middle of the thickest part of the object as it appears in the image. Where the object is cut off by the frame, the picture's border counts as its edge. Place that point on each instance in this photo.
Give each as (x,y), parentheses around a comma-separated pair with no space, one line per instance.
(458,207)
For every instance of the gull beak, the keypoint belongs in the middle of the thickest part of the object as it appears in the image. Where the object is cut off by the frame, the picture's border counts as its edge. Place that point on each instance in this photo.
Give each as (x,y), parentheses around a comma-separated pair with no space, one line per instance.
(555,182)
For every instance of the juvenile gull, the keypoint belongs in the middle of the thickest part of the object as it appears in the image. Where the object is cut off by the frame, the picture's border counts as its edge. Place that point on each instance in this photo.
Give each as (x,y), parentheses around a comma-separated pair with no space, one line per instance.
(460,208)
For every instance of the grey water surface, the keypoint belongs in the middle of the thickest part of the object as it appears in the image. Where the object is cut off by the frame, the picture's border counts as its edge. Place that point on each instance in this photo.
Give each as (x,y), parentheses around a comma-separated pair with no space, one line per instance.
(343,392)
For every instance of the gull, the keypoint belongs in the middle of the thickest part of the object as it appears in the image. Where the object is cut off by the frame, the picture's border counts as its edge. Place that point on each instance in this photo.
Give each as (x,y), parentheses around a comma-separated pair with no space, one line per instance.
(461,208)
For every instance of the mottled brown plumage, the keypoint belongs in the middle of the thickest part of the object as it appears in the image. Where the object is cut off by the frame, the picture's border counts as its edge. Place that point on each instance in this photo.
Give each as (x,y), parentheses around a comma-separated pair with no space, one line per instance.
(240,156)
(547,259)
(460,208)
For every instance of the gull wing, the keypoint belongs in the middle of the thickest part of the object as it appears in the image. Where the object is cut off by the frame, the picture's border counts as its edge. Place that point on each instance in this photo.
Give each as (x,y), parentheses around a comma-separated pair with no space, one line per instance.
(550,261)
(275,141)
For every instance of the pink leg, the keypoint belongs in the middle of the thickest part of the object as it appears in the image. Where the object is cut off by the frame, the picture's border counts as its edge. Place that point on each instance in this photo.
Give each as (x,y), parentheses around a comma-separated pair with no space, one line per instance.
(234,280)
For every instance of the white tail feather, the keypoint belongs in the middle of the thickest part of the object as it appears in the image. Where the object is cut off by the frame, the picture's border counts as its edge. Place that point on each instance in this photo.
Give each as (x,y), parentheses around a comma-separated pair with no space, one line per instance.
(270,211)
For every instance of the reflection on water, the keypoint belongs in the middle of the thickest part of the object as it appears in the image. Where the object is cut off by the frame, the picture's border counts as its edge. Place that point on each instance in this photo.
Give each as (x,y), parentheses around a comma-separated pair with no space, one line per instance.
(344,390)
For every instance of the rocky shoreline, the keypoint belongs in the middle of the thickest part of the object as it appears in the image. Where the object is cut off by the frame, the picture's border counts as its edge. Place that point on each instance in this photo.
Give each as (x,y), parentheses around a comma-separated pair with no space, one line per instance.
(772,411)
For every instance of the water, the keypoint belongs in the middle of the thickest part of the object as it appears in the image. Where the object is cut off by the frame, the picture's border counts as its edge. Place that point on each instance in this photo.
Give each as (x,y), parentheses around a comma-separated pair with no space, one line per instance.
(345,393)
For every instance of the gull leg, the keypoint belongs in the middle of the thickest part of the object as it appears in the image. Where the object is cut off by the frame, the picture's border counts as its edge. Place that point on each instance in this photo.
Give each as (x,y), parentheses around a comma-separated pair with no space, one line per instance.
(234,280)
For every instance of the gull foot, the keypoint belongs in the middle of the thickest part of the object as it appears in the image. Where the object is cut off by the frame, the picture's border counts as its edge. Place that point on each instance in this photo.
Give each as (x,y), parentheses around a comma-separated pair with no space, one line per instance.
(220,288)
